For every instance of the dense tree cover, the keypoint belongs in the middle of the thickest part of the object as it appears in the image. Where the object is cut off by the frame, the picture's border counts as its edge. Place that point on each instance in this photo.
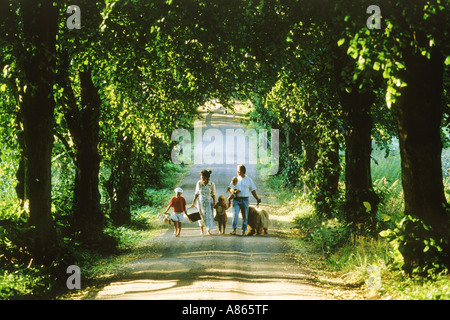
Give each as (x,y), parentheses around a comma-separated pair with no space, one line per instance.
(102,104)
(380,75)
(96,106)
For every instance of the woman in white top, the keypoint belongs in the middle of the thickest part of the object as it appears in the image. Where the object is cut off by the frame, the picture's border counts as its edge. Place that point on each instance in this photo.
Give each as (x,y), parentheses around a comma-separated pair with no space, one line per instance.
(205,193)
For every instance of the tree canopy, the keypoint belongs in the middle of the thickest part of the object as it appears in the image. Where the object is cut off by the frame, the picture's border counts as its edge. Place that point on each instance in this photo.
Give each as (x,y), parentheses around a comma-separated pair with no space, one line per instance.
(95,107)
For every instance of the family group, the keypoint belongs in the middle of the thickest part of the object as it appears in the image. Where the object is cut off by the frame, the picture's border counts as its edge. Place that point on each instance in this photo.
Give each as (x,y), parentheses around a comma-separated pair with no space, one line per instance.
(240,189)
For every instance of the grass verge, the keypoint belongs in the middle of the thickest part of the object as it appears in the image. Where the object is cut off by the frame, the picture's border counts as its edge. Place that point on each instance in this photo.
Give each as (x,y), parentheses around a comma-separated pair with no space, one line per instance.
(133,240)
(349,267)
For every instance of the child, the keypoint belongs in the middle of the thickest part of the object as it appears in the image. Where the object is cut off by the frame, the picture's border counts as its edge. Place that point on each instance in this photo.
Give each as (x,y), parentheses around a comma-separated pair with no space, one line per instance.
(221,214)
(232,189)
(179,208)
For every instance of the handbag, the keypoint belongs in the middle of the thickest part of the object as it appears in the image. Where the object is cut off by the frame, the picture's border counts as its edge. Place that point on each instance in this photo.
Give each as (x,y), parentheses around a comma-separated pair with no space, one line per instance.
(193,214)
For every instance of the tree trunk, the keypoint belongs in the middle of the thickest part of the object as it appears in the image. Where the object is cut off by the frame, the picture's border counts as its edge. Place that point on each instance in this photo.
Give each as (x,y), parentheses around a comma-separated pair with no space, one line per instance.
(84,128)
(419,121)
(37,106)
(310,152)
(123,211)
(120,182)
(361,200)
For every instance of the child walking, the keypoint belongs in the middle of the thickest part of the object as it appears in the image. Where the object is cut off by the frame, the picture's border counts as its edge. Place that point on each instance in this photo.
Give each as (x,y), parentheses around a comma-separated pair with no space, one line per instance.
(221,214)
(179,209)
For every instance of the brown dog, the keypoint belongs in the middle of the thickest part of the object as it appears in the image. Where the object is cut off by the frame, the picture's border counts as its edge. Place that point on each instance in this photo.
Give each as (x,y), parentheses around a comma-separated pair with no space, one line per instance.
(258,221)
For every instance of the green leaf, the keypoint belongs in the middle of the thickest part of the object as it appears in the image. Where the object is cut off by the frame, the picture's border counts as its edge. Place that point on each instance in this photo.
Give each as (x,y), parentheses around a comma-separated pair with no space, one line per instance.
(385,233)
(447,61)
(400,65)
(376,66)
(341,42)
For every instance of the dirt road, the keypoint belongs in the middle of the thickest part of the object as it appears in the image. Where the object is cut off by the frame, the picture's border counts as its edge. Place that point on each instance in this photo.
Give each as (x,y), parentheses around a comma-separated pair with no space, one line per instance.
(215,267)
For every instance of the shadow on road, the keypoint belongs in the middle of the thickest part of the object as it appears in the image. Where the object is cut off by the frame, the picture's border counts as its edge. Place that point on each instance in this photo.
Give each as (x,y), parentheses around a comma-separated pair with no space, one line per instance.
(218,266)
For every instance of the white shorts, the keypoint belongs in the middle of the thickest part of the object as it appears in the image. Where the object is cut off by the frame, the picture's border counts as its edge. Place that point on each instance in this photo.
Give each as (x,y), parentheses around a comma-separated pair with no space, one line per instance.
(179,217)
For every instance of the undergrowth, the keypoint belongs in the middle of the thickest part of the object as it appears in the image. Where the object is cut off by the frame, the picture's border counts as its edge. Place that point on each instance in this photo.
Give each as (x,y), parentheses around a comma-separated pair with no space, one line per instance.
(21,278)
(373,265)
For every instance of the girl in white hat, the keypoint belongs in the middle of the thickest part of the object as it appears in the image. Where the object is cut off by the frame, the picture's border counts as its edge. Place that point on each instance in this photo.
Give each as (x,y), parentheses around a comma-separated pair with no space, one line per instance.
(179,210)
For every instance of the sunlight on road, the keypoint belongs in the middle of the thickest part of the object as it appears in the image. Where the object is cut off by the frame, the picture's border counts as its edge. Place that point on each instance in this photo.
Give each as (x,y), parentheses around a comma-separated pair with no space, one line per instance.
(254,271)
(197,267)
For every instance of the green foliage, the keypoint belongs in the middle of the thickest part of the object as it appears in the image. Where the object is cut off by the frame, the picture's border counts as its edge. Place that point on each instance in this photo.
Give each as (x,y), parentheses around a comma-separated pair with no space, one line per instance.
(330,236)
(417,241)
(154,62)
(291,169)
(386,177)
(324,235)
(402,287)
(406,233)
(14,237)
(149,184)
(390,210)
(19,277)
(355,258)
(22,283)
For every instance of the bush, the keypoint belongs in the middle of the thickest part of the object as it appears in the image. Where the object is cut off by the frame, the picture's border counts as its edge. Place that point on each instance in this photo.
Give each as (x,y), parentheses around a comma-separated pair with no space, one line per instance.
(330,236)
(325,236)
(22,283)
(391,207)
(291,169)
(425,253)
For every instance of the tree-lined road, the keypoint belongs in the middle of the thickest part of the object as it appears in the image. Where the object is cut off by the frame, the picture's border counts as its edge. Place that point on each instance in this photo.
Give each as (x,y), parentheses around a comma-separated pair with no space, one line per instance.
(218,266)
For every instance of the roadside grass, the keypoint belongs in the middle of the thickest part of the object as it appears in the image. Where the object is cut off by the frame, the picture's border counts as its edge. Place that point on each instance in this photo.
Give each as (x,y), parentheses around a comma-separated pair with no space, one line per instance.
(292,214)
(355,267)
(98,265)
(133,239)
